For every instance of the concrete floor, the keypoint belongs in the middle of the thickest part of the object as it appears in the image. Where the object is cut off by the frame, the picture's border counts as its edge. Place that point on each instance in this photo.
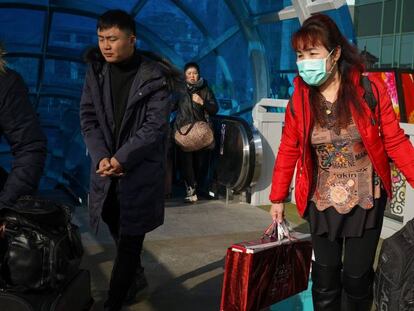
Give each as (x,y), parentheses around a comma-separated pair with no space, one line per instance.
(184,258)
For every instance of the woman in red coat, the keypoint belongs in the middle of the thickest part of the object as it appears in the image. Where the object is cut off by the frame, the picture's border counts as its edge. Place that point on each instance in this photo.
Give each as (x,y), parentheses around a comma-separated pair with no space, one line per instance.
(340,148)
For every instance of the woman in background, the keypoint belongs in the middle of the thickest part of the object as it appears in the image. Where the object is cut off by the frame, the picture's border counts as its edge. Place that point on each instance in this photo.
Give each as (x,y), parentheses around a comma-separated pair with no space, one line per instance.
(196,105)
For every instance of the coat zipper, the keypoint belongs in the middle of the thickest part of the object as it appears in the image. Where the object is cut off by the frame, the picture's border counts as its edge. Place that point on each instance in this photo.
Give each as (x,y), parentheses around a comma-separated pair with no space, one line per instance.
(304,139)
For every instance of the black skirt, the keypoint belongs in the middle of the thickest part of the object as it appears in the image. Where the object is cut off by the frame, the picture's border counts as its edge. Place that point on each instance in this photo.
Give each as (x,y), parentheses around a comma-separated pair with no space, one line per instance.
(352,224)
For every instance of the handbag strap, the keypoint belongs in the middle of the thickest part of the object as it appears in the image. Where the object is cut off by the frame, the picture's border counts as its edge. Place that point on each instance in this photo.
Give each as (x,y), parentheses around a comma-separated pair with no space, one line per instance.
(188,130)
(192,118)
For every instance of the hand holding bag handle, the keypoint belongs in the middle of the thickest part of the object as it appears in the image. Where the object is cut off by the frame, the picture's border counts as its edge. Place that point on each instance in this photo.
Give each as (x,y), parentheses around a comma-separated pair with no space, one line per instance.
(278,231)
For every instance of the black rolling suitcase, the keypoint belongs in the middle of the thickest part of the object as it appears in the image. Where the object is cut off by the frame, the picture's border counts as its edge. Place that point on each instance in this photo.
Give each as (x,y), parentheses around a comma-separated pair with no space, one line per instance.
(394,278)
(75,295)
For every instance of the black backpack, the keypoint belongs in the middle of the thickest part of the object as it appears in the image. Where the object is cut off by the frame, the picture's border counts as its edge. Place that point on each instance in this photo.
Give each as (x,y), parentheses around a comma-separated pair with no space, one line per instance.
(394,278)
(39,247)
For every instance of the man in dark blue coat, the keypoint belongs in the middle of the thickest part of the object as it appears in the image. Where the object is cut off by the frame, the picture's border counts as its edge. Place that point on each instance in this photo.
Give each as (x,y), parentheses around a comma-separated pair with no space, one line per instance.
(124,114)
(20,127)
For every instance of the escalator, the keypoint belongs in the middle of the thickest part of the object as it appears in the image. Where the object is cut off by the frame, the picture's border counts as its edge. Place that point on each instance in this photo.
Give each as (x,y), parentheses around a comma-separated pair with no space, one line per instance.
(237,157)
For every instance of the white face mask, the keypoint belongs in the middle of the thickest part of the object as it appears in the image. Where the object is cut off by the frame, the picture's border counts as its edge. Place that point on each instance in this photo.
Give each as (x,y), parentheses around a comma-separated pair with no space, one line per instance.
(313,71)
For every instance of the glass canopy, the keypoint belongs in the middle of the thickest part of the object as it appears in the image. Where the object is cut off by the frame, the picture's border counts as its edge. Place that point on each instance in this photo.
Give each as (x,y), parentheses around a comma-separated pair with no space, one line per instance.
(242,46)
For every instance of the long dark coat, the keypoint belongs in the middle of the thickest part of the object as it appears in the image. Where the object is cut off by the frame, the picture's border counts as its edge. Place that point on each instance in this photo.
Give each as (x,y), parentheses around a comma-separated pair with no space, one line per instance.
(140,148)
(21,128)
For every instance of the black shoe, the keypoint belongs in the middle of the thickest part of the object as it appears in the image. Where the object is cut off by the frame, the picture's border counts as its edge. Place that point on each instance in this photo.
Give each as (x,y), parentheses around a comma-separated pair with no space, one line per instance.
(191,196)
(137,287)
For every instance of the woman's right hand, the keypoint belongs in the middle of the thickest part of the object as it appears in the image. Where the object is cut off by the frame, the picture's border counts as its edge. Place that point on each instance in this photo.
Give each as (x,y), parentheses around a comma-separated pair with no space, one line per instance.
(197,99)
(277,211)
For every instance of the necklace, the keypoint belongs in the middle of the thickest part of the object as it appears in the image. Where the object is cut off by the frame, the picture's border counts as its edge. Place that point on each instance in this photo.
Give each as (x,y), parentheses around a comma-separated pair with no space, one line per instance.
(328,107)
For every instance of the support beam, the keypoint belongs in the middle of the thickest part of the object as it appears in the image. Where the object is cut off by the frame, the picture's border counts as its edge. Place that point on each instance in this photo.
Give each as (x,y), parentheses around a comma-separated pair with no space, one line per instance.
(45,43)
(84,9)
(257,52)
(158,44)
(138,7)
(214,44)
(301,9)
(211,44)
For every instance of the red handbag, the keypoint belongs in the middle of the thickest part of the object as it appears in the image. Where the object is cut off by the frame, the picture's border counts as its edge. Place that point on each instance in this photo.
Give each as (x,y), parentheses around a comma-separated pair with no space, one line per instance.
(262,272)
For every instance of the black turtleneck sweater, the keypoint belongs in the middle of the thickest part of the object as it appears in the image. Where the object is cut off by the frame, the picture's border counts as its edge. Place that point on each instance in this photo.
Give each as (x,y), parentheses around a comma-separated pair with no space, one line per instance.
(122,77)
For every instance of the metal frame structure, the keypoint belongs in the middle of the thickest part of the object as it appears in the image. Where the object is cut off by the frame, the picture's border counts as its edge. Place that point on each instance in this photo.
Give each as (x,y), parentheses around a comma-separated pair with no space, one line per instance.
(247,23)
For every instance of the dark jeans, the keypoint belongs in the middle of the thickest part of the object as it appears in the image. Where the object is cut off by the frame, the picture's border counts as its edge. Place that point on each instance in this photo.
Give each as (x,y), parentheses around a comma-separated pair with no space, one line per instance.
(194,166)
(128,256)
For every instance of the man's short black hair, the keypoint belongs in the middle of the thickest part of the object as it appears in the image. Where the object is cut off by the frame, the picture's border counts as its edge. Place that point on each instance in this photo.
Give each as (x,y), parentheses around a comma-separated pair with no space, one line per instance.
(192,65)
(116,18)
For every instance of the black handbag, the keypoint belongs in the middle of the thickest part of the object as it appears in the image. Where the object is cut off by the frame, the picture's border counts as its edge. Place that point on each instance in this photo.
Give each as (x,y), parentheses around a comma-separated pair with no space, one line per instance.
(39,246)
(74,295)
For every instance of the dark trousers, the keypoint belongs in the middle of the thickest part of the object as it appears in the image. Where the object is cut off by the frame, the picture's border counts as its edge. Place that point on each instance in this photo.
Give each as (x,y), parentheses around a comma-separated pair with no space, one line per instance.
(194,166)
(356,278)
(128,256)
(359,253)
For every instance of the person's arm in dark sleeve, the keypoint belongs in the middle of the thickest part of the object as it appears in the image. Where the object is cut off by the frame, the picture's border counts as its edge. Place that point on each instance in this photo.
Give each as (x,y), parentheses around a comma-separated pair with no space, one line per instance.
(210,103)
(21,128)
(151,133)
(90,128)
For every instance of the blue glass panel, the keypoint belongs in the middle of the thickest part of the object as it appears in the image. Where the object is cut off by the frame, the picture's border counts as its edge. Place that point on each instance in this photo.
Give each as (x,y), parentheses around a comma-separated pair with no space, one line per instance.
(235,52)
(215,15)
(53,109)
(276,38)
(72,31)
(28,68)
(24,29)
(212,71)
(54,161)
(343,19)
(6,157)
(264,6)
(126,5)
(281,84)
(172,26)
(65,74)
(143,45)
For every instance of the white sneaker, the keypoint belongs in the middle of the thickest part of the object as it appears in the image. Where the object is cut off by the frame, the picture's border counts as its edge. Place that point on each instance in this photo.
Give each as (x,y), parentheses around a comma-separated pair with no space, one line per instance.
(191,197)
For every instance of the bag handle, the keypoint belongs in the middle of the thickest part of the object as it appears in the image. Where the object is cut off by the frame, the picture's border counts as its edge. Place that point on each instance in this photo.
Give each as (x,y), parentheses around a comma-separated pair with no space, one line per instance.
(279,231)
(192,117)
(188,130)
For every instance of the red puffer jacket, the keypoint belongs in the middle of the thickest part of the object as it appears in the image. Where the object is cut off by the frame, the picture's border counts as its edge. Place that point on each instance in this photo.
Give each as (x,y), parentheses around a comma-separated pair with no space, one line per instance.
(381,143)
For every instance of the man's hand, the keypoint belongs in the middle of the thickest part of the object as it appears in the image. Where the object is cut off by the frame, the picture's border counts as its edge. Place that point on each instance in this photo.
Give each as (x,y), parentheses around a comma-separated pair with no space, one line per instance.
(104,167)
(116,168)
(277,211)
(197,99)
